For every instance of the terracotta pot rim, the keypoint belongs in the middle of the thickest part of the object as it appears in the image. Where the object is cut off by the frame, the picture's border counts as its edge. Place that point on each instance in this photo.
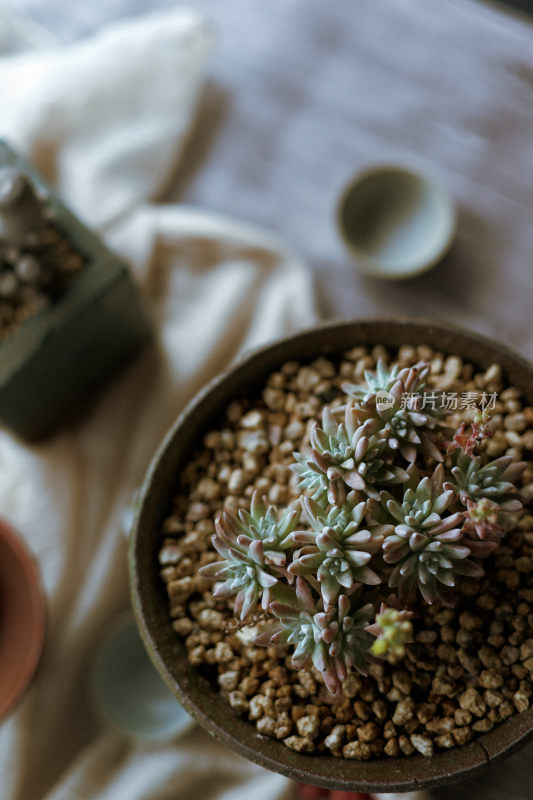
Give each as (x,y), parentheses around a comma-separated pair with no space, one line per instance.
(148,594)
(36,616)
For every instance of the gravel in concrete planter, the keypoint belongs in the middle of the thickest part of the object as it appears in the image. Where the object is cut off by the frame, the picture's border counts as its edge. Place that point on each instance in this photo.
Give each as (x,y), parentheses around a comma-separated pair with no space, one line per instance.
(465,674)
(60,343)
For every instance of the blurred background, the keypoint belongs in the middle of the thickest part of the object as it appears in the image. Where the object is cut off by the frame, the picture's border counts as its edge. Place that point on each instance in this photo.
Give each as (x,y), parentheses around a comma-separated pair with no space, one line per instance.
(301,94)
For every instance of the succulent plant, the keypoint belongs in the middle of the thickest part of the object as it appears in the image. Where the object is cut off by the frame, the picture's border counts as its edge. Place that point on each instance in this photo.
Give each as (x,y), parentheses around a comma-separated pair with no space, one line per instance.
(431,565)
(244,573)
(335,550)
(480,431)
(345,454)
(482,520)
(365,522)
(382,380)
(395,399)
(252,547)
(266,524)
(393,629)
(315,481)
(334,641)
(425,546)
(422,507)
(495,480)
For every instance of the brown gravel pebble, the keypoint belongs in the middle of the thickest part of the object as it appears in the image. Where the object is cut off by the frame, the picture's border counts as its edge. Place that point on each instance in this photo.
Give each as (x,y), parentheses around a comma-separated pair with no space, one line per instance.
(521,701)
(492,698)
(358,750)
(362,710)
(368,732)
(526,650)
(380,710)
(505,709)
(229,680)
(404,711)
(445,741)
(462,717)
(443,685)
(238,701)
(482,725)
(300,744)
(266,726)
(509,654)
(392,748)
(462,735)
(468,668)
(472,701)
(308,726)
(249,685)
(283,726)
(423,744)
(490,679)
(402,681)
(406,746)
(336,738)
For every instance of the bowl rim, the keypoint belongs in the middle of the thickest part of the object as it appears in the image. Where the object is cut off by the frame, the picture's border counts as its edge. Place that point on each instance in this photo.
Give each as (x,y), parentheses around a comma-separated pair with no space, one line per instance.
(150,604)
(28,566)
(366,264)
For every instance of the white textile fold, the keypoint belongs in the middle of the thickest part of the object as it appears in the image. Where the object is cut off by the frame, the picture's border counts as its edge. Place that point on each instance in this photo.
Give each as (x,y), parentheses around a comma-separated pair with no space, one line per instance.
(106,121)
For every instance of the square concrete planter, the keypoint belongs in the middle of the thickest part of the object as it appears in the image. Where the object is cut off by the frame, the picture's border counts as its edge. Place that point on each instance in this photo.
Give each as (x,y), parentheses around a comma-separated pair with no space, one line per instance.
(56,360)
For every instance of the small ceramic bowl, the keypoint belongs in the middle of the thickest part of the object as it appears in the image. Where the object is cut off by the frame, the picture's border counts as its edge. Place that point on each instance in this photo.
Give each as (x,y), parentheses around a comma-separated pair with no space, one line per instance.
(22,618)
(129,692)
(396,222)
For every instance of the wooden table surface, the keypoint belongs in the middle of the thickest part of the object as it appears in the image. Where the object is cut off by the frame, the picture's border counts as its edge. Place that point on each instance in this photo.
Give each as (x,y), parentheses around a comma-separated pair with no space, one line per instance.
(303,93)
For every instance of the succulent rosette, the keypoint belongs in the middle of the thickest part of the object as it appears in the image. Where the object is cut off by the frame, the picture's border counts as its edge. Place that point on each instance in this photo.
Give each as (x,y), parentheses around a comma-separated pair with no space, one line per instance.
(393,629)
(426,547)
(265,524)
(346,455)
(395,399)
(334,641)
(252,547)
(482,520)
(472,480)
(382,380)
(470,437)
(422,507)
(243,574)
(432,565)
(336,550)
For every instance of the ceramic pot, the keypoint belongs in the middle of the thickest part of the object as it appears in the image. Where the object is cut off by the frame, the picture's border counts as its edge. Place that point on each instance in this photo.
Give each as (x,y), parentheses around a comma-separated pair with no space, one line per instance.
(22,618)
(53,364)
(149,596)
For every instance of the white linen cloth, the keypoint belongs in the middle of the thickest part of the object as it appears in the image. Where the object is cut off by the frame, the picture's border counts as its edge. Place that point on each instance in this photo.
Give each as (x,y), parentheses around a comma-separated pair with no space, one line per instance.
(106,120)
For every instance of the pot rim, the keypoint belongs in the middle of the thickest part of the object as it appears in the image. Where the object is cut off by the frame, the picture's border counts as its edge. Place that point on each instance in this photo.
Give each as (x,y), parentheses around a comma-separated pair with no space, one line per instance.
(23,562)
(148,594)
